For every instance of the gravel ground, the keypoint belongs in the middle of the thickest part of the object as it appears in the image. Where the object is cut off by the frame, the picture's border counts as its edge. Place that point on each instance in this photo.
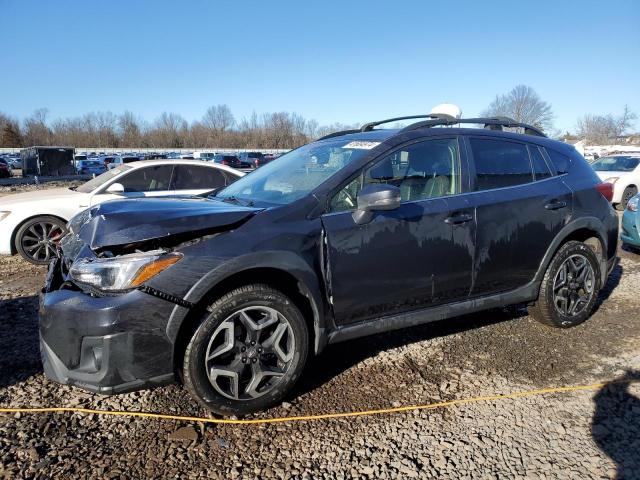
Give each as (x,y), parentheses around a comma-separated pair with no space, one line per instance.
(587,434)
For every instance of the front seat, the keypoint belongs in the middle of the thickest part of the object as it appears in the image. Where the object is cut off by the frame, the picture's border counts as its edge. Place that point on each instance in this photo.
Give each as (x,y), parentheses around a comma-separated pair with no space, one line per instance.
(423,180)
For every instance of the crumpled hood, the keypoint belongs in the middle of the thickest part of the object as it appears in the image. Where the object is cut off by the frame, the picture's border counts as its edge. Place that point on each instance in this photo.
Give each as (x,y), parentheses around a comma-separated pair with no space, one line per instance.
(122,222)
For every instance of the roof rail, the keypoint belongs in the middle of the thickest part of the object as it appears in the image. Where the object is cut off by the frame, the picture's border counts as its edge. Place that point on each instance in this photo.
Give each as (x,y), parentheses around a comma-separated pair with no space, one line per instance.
(367,127)
(441,119)
(488,122)
(338,134)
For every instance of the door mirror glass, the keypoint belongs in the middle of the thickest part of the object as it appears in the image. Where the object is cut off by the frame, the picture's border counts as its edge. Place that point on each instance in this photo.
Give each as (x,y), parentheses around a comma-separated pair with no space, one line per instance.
(116,189)
(373,198)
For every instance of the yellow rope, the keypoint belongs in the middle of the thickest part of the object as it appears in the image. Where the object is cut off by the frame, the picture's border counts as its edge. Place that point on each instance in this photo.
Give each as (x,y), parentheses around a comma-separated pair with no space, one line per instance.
(302,418)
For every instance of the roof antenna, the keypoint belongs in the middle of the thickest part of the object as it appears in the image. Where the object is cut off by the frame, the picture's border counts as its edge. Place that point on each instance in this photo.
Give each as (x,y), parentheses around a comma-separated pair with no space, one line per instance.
(447,109)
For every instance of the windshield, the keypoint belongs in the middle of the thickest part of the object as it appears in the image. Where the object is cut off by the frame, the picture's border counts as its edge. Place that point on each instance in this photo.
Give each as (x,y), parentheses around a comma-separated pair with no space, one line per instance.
(616,164)
(100,180)
(295,174)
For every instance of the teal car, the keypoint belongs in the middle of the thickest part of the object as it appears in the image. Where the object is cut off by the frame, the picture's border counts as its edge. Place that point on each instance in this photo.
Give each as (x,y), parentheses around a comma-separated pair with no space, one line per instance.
(630,234)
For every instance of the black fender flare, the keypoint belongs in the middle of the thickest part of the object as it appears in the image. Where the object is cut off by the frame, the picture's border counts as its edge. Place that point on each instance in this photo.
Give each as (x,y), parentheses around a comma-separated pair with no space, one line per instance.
(289,262)
(591,223)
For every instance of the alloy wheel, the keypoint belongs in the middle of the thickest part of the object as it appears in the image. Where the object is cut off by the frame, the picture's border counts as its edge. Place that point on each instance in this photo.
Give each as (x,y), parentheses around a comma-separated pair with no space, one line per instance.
(574,285)
(40,239)
(249,353)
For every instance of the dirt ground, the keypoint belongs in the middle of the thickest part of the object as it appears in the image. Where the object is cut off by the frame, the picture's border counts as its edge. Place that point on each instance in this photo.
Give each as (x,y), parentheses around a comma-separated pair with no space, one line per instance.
(584,434)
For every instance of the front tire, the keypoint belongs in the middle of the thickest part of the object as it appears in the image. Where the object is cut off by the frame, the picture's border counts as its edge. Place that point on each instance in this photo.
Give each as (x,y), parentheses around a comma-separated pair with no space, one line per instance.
(37,238)
(247,353)
(569,288)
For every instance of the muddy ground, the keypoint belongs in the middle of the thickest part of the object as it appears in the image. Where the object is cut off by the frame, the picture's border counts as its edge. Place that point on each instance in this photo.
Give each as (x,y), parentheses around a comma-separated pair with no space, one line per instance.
(584,434)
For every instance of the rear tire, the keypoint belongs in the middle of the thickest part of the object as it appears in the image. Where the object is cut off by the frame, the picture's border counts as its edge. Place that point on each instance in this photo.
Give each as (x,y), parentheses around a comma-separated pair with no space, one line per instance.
(37,238)
(247,353)
(628,193)
(569,288)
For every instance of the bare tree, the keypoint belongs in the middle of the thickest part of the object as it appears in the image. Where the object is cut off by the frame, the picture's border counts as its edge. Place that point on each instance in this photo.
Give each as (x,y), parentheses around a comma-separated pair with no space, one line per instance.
(219,118)
(129,130)
(605,129)
(524,105)
(10,134)
(36,131)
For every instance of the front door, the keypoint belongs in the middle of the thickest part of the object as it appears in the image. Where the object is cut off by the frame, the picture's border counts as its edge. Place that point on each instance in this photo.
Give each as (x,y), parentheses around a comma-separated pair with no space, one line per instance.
(416,256)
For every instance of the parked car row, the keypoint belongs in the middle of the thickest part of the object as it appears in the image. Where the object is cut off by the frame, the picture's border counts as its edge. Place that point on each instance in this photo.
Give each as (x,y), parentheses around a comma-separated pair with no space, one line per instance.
(8,163)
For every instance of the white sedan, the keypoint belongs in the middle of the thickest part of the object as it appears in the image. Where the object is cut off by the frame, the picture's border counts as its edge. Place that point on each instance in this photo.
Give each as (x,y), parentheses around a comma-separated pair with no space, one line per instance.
(31,223)
(623,171)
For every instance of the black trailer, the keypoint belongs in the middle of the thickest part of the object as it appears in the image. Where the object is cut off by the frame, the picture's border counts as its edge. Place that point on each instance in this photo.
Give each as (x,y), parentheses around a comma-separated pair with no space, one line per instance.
(47,161)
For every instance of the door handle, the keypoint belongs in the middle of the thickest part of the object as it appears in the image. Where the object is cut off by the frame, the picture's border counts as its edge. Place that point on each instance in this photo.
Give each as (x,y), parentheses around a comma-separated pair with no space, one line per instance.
(458,219)
(555,205)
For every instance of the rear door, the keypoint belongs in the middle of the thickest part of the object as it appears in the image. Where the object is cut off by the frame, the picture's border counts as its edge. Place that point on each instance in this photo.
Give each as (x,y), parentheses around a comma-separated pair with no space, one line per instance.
(520,206)
(416,256)
(197,179)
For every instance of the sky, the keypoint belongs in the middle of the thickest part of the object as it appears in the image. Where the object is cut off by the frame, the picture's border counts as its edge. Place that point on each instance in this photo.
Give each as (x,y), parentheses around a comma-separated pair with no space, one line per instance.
(343,61)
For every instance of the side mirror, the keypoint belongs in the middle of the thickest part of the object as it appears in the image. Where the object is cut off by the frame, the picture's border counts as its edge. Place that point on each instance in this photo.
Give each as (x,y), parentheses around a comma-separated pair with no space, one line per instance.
(116,189)
(374,198)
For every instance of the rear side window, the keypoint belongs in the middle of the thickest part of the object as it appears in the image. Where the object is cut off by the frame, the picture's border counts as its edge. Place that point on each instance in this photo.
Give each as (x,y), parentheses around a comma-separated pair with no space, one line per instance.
(540,167)
(560,162)
(500,163)
(194,177)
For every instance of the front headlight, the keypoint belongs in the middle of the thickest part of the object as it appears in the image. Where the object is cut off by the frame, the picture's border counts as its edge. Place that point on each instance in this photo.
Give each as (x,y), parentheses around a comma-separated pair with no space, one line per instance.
(611,180)
(4,214)
(123,272)
(633,203)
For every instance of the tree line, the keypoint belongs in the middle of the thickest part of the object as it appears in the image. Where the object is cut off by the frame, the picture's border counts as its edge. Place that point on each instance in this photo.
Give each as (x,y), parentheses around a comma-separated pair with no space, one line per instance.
(218,128)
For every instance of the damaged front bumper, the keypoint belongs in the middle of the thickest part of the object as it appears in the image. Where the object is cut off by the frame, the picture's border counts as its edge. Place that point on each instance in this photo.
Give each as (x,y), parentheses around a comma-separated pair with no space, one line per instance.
(105,344)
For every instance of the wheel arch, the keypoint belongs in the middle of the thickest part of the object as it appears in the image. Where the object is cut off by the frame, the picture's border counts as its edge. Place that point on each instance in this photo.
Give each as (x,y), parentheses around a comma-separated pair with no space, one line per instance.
(14,233)
(294,278)
(589,230)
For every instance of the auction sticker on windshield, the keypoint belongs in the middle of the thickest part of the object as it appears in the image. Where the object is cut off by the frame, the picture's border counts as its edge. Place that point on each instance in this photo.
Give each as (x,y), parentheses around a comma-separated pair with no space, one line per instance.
(362,145)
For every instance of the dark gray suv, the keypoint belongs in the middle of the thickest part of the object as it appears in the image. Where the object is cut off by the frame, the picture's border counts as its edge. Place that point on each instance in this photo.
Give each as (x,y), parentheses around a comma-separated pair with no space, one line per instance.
(355,234)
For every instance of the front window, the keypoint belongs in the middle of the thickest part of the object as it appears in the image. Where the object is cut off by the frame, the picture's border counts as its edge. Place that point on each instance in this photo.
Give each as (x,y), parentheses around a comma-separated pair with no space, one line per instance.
(100,180)
(294,175)
(616,164)
(421,171)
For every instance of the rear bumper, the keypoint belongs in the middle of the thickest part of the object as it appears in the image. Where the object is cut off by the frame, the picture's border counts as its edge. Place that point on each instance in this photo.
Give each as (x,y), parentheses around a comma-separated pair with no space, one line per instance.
(105,344)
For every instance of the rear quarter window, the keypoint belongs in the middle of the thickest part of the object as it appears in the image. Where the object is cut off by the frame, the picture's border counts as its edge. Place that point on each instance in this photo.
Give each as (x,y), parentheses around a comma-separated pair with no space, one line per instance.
(559,161)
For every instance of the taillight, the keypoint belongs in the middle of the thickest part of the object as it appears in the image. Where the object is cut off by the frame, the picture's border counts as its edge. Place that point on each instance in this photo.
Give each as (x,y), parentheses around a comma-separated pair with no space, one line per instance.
(606,189)
(224,162)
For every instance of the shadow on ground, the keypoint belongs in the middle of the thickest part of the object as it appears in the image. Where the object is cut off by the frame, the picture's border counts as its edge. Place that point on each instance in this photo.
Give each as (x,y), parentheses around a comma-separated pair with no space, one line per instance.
(337,358)
(616,424)
(19,345)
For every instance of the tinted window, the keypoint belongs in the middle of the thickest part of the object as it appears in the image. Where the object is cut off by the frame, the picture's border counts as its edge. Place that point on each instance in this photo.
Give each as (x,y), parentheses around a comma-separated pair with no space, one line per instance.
(147,179)
(423,170)
(559,161)
(540,167)
(193,177)
(499,163)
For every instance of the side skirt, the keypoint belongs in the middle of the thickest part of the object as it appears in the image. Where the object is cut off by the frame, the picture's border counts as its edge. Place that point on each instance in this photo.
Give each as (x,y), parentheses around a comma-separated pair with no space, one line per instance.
(418,317)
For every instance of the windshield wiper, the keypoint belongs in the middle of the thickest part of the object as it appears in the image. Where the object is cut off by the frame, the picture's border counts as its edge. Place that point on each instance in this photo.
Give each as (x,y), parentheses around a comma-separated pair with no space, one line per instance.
(232,199)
